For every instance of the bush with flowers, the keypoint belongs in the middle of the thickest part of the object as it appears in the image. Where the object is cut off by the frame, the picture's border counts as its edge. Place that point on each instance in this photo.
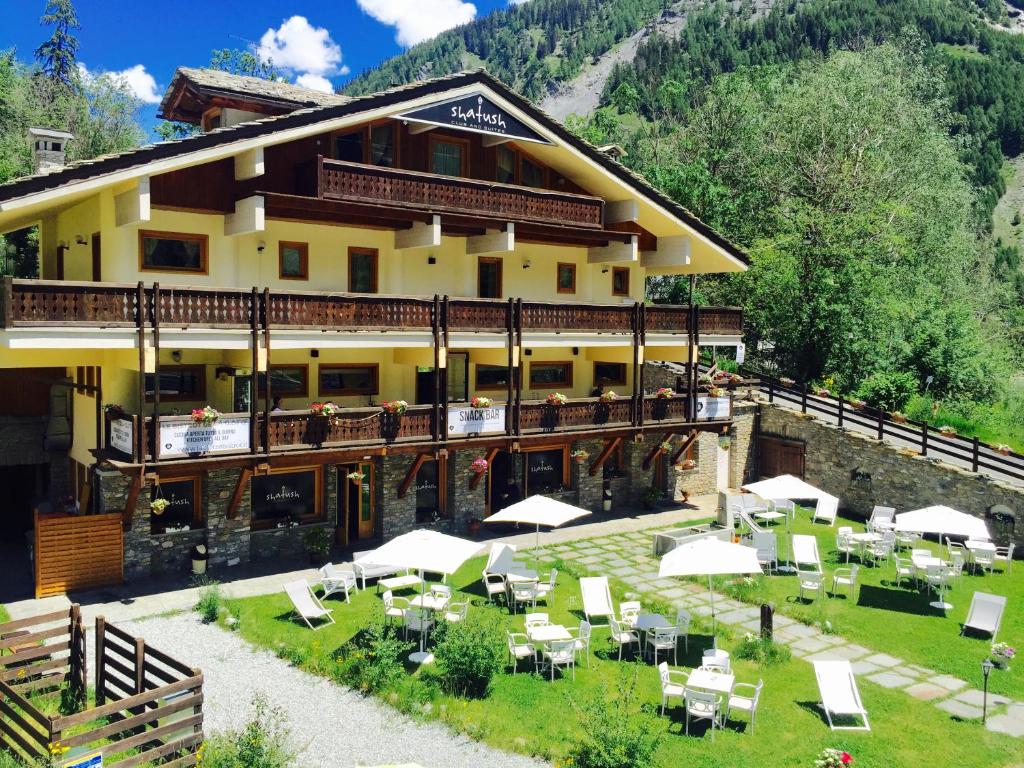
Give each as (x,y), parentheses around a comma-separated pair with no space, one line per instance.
(556,398)
(833,758)
(205,416)
(478,401)
(1002,653)
(614,733)
(372,660)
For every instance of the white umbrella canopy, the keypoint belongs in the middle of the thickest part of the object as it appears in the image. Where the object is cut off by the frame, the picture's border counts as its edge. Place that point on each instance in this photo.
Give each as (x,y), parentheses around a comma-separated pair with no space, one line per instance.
(788,487)
(943,520)
(538,511)
(709,557)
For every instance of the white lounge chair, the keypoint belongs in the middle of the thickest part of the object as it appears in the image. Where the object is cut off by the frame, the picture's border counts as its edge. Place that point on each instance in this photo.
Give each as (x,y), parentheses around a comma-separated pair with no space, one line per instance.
(985,613)
(597,598)
(839,695)
(334,579)
(826,510)
(805,552)
(365,568)
(306,604)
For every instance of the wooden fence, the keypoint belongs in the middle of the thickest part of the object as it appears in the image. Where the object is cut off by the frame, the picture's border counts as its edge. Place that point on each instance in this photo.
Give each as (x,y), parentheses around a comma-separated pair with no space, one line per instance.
(148,706)
(77,552)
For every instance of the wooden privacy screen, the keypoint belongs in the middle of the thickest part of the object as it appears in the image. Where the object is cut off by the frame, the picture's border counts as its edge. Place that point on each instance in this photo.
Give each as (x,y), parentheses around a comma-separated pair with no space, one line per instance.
(77,552)
(778,456)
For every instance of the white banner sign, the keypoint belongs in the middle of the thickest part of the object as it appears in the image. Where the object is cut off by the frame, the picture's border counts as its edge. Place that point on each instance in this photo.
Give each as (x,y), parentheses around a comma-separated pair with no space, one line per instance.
(476,421)
(122,436)
(184,438)
(713,408)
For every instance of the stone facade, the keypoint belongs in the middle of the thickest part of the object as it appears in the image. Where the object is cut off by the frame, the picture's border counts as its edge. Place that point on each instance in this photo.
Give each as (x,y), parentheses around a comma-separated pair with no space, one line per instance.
(397,515)
(863,472)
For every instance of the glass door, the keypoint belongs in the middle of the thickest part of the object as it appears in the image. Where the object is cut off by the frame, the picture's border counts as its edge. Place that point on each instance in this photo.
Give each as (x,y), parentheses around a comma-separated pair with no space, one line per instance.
(360,510)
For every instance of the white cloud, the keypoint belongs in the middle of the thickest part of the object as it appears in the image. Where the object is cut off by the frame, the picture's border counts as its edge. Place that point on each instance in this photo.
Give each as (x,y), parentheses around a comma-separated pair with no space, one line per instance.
(315,82)
(516,2)
(419,20)
(298,46)
(141,84)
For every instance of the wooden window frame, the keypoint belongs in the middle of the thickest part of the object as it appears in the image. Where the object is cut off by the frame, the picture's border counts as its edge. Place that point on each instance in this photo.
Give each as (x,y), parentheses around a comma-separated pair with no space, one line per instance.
(515,163)
(280,367)
(204,251)
(375,387)
(303,249)
(364,130)
(198,513)
(200,370)
(618,382)
(525,450)
(558,277)
(448,139)
(442,487)
(375,253)
(320,513)
(207,119)
(564,383)
(619,453)
(544,175)
(490,387)
(501,275)
(618,271)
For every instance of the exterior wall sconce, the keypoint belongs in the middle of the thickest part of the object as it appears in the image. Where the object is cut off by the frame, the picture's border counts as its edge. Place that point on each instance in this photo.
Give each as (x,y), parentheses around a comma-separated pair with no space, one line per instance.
(80,239)
(526,263)
(176,355)
(261,247)
(431,259)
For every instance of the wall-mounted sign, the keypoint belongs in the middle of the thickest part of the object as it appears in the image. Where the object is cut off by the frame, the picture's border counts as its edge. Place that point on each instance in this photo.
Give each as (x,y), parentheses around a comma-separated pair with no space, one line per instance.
(285,494)
(122,436)
(476,421)
(183,438)
(91,760)
(713,408)
(476,113)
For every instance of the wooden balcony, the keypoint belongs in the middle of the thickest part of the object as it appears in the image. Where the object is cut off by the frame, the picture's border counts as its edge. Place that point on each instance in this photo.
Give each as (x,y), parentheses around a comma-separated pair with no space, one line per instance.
(374,185)
(46,303)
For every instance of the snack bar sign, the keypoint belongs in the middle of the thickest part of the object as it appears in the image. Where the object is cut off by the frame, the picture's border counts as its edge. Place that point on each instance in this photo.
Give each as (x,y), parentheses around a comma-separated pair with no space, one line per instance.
(474,113)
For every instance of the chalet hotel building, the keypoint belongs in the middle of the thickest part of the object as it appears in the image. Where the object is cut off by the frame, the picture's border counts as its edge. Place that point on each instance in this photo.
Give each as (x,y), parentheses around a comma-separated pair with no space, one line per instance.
(330,311)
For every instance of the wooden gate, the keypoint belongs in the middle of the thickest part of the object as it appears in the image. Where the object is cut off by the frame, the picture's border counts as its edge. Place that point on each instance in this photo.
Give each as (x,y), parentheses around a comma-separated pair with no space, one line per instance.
(77,552)
(779,456)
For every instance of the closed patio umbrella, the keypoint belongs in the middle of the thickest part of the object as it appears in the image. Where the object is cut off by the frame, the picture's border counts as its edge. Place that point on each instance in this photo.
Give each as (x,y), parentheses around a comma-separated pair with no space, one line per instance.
(943,521)
(538,511)
(426,552)
(709,557)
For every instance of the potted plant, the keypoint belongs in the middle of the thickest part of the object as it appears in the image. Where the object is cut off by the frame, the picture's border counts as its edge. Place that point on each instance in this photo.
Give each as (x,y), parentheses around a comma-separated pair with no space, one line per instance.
(833,758)
(205,416)
(356,477)
(686,465)
(556,399)
(947,430)
(317,542)
(858,404)
(323,409)
(666,446)
(651,496)
(159,505)
(395,406)
(579,455)
(822,392)
(665,393)
(898,417)
(1002,449)
(478,401)
(608,397)
(199,558)
(716,392)
(479,465)
(1002,654)
(473,526)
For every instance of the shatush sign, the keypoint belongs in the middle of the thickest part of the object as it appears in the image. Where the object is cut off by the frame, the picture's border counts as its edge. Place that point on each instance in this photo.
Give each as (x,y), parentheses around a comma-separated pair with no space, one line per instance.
(475,421)
(474,113)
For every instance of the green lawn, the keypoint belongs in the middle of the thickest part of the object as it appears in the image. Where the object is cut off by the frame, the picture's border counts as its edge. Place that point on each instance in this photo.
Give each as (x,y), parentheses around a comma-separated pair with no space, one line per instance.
(528,714)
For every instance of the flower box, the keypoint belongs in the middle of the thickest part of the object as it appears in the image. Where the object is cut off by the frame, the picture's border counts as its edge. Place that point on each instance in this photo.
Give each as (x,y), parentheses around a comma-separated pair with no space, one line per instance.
(580,456)
(480,402)
(608,397)
(323,409)
(686,466)
(479,465)
(1002,449)
(395,406)
(665,393)
(356,477)
(1002,654)
(833,758)
(822,392)
(947,430)
(898,417)
(205,416)
(858,404)
(556,398)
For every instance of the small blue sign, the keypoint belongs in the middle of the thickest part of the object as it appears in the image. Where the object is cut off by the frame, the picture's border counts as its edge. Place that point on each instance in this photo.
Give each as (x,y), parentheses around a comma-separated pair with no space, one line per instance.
(91,760)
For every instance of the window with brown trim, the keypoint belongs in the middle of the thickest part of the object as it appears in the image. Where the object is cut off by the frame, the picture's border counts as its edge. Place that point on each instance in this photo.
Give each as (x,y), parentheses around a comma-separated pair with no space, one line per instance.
(531,174)
(620,281)
(173,252)
(550,374)
(615,465)
(293,260)
(488,277)
(179,383)
(506,161)
(491,376)
(348,379)
(382,145)
(609,374)
(184,504)
(566,277)
(286,381)
(362,270)
(431,496)
(287,495)
(449,156)
(546,468)
(374,144)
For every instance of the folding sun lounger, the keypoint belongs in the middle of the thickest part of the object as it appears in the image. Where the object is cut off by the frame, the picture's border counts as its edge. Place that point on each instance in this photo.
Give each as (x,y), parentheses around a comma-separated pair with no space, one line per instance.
(597,598)
(805,552)
(839,695)
(985,614)
(306,604)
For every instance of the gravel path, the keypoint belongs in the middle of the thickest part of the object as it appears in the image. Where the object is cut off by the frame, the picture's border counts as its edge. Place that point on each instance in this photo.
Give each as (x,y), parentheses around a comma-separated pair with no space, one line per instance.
(330,725)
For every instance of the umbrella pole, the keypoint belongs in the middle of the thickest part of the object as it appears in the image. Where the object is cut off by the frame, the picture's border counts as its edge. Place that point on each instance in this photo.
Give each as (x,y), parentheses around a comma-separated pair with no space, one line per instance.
(536,550)
(714,624)
(421,656)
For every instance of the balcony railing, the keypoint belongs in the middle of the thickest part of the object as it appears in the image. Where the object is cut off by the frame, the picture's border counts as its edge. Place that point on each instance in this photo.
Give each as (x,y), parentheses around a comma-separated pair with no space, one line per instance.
(358,183)
(28,303)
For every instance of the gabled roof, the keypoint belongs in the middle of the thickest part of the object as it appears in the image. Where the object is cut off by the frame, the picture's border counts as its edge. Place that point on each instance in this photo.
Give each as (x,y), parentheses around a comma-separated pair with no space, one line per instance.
(88,169)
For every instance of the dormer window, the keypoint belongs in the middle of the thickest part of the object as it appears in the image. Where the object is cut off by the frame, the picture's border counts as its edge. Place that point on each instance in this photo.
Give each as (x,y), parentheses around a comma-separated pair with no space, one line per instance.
(212,119)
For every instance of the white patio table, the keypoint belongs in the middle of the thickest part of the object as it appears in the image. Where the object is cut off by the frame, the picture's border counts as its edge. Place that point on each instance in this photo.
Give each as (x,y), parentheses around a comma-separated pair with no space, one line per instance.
(705,680)
(430,602)
(646,622)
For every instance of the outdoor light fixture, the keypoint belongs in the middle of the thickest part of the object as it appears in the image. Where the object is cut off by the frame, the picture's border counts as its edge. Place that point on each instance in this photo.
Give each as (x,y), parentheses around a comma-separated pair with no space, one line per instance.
(176,355)
(261,246)
(604,270)
(80,239)
(986,670)
(314,353)
(431,259)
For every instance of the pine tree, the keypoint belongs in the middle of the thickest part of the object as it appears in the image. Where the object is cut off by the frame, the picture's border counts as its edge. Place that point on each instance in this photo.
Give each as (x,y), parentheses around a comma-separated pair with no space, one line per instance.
(57,56)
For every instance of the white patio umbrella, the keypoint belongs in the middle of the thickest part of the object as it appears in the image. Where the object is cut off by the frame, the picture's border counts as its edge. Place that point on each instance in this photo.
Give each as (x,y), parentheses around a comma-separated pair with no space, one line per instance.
(538,511)
(426,552)
(709,557)
(943,521)
(789,488)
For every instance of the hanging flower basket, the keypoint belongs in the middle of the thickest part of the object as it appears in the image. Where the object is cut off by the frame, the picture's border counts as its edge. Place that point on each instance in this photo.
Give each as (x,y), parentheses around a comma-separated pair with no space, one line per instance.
(323,409)
(947,430)
(665,393)
(159,505)
(786,381)
(666,446)
(556,398)
(479,465)
(898,417)
(395,406)
(1002,449)
(580,456)
(356,477)
(608,397)
(480,402)
(205,416)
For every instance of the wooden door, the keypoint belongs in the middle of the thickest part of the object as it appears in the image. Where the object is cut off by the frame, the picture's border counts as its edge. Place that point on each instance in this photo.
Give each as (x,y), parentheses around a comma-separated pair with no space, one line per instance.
(360,509)
(778,456)
(97,258)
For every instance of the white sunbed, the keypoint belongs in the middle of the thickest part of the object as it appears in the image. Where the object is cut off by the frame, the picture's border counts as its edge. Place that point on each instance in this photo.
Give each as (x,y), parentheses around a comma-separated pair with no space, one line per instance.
(306,604)
(502,559)
(985,613)
(826,509)
(365,568)
(839,695)
(805,552)
(597,598)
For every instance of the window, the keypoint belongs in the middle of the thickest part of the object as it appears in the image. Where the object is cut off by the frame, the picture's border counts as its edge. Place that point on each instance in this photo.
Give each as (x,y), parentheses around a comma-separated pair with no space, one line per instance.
(566,278)
(287,496)
(448,156)
(382,145)
(531,175)
(286,381)
(492,377)
(550,375)
(615,465)
(362,270)
(348,379)
(607,374)
(547,470)
(293,261)
(430,491)
(489,278)
(172,252)
(620,281)
(505,165)
(179,382)
(349,147)
(184,505)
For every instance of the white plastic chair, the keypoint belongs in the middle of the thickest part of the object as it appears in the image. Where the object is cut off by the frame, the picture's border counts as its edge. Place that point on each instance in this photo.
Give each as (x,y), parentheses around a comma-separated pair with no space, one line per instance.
(306,604)
(811,581)
(561,653)
(545,589)
(906,539)
(983,560)
(703,705)
(394,607)
(683,625)
(670,688)
(582,639)
(441,591)
(985,613)
(937,578)
(767,549)
(621,635)
(664,639)
(417,620)
(826,510)
(334,579)
(839,694)
(629,611)
(519,648)
(494,585)
(904,570)
(881,518)
(746,704)
(535,620)
(845,545)
(456,612)
(523,593)
(1005,555)
(845,577)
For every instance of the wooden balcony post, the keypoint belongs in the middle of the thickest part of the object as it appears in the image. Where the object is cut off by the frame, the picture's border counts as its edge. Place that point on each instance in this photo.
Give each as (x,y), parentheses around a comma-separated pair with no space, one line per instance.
(156,373)
(771,389)
(436,319)
(254,340)
(840,398)
(140,324)
(518,321)
(974,454)
(442,391)
(509,394)
(255,374)
(8,301)
(100,641)
(881,417)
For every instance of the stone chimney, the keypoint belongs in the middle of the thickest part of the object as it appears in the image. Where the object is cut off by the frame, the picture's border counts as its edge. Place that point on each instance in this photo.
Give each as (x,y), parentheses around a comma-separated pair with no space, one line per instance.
(48,148)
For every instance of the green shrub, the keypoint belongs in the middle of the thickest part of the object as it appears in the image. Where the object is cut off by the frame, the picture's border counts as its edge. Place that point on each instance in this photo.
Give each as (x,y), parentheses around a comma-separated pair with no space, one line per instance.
(209,604)
(371,661)
(888,390)
(616,731)
(762,650)
(469,653)
(261,743)
(747,589)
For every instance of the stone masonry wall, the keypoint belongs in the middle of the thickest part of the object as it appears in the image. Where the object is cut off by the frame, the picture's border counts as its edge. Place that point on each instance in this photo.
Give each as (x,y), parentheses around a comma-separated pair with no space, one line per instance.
(863,472)
(398,515)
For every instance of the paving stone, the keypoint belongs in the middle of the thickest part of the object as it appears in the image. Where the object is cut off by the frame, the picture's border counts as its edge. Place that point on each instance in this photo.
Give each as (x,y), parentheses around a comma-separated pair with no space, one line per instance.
(927,691)
(948,682)
(592,551)
(922,671)
(782,621)
(890,679)
(848,651)
(701,610)
(589,560)
(906,670)
(674,593)
(864,668)
(859,649)
(1011,726)
(810,645)
(617,563)
(620,572)
(664,584)
(753,626)
(961,710)
(802,630)
(884,660)
(974,697)
(733,617)
(832,639)
(826,655)
(633,580)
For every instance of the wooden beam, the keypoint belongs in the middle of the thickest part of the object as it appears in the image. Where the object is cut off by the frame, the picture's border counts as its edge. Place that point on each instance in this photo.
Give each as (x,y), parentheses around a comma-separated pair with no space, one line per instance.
(249,165)
(133,206)
(671,252)
(616,211)
(236,498)
(609,449)
(410,476)
(417,128)
(420,235)
(133,497)
(690,439)
(501,241)
(249,217)
(657,450)
(493,141)
(474,481)
(614,252)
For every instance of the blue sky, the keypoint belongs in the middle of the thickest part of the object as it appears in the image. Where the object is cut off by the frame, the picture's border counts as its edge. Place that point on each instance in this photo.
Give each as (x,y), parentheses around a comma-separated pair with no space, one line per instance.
(319,44)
